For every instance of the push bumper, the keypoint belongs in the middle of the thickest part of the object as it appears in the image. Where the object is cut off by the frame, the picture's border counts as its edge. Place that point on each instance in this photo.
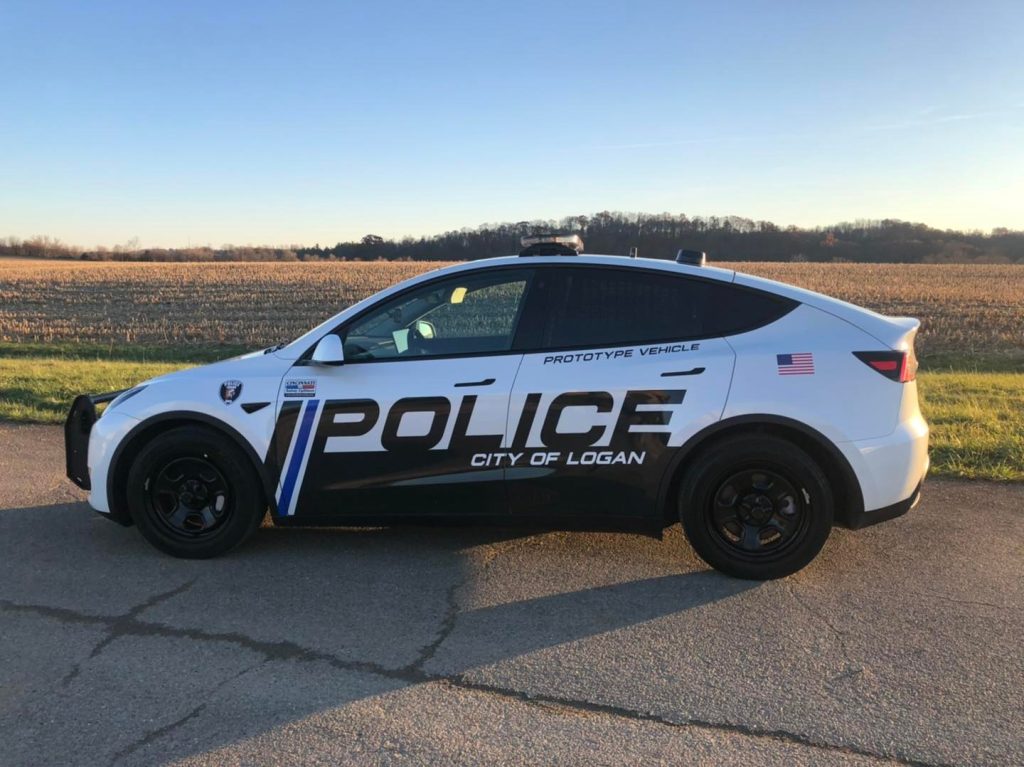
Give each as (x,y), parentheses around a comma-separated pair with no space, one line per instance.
(77,428)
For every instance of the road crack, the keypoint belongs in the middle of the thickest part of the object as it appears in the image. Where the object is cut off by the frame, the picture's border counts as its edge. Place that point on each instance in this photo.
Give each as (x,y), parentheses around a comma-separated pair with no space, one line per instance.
(444,631)
(155,735)
(585,707)
(114,625)
(853,668)
(130,624)
(970,602)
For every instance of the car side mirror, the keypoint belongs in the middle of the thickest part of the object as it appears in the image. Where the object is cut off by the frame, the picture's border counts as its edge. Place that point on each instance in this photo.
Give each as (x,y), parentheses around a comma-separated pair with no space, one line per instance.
(329,351)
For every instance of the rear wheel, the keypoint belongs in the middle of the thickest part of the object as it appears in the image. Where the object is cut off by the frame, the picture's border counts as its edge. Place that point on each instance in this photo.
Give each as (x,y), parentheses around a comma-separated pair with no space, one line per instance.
(756,507)
(193,493)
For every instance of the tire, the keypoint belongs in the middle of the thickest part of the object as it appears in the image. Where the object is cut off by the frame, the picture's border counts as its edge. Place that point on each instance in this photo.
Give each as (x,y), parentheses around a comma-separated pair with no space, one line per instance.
(756,507)
(193,493)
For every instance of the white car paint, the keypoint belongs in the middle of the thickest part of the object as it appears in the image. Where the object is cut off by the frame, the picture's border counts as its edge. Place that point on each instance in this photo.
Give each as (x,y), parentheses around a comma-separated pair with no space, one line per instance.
(874,422)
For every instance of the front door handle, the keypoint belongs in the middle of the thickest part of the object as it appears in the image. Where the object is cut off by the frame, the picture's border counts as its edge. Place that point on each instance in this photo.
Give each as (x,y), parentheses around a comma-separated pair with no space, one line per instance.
(690,372)
(485,382)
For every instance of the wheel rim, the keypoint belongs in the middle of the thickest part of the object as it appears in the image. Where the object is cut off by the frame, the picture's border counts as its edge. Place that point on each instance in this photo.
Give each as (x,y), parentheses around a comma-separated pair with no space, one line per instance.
(756,513)
(190,497)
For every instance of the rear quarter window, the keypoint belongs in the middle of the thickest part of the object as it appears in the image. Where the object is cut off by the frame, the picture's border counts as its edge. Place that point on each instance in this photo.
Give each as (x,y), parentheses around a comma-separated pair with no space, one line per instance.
(607,306)
(738,310)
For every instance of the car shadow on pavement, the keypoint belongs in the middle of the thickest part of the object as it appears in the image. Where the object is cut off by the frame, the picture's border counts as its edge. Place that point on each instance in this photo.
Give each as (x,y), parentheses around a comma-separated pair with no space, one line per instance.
(394,606)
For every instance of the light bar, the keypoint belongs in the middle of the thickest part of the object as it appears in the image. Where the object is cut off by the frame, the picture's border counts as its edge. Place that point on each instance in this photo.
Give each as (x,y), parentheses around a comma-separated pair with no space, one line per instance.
(569,240)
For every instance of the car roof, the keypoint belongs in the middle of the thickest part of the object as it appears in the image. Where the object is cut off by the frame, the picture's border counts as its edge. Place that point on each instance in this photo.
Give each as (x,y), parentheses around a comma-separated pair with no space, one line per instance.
(596,259)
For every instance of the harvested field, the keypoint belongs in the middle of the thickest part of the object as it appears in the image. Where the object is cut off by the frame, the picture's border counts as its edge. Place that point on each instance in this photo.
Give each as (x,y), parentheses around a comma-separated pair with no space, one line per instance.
(965,308)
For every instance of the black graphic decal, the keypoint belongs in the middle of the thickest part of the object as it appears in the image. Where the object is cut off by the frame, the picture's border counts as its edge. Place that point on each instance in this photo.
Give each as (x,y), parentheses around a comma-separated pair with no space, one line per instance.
(367,408)
(327,428)
(601,400)
(283,430)
(629,416)
(439,407)
(463,442)
(526,418)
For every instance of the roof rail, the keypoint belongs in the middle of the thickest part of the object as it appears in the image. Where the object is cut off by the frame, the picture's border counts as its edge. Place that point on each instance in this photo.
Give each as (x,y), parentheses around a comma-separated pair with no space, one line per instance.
(551,245)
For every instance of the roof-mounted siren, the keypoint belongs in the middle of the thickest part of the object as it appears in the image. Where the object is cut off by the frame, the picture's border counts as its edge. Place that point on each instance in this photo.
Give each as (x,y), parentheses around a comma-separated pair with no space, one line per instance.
(551,245)
(692,257)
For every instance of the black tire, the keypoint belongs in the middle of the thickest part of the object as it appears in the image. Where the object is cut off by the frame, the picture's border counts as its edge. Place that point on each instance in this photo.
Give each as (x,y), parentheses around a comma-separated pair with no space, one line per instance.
(756,507)
(193,493)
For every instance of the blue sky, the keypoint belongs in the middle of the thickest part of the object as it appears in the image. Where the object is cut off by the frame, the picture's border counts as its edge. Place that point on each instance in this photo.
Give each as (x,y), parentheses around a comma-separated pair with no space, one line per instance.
(293,122)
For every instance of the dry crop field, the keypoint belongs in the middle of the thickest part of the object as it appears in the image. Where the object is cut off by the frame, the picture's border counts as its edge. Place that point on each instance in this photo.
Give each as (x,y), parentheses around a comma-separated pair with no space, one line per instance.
(965,308)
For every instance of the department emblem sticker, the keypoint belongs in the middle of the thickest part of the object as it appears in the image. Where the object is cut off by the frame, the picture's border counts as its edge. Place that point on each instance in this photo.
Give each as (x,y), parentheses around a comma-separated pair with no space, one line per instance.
(229,391)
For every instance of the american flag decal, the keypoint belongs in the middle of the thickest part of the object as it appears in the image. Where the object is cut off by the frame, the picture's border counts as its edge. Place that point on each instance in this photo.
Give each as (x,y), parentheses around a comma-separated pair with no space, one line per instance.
(799,364)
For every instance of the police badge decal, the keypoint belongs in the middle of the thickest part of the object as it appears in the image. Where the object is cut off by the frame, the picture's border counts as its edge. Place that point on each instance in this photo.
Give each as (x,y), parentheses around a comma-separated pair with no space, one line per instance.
(229,391)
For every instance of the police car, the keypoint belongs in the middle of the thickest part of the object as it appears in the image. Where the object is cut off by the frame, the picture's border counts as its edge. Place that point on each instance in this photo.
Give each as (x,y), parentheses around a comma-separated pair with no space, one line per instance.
(551,388)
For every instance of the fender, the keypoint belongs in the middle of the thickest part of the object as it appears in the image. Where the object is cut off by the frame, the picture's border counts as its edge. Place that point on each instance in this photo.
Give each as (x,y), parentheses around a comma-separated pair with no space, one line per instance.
(264,468)
(849,504)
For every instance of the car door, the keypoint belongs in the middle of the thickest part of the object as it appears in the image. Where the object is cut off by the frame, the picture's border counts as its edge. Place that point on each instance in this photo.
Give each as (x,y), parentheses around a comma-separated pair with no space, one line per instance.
(398,428)
(624,370)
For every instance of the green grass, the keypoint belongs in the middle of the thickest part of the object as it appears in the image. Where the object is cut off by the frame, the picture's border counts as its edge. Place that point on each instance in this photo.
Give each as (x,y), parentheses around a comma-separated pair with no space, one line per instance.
(65,350)
(977,423)
(40,390)
(977,418)
(970,363)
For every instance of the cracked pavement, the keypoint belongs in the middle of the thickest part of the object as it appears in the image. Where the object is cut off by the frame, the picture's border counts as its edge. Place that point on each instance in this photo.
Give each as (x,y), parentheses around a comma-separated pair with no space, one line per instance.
(901,644)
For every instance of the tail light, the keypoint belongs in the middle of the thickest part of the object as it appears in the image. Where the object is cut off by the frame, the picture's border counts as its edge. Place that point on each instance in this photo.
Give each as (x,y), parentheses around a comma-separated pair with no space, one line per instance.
(896,366)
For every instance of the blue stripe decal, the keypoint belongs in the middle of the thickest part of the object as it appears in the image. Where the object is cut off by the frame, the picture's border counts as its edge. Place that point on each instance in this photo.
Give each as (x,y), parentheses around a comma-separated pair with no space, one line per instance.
(297,453)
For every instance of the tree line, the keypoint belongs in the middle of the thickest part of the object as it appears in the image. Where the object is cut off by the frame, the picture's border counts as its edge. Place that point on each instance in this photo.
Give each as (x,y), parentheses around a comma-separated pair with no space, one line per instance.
(726,238)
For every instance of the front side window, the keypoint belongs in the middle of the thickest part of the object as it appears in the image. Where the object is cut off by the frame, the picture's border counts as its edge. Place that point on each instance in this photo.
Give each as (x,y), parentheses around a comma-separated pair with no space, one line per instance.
(471,314)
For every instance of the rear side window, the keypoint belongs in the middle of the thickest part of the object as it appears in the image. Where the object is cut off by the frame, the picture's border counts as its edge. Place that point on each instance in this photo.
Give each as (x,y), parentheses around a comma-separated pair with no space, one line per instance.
(612,307)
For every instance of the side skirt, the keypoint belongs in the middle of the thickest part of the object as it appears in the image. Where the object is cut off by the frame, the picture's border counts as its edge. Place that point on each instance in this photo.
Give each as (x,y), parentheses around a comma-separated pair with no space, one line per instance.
(650,526)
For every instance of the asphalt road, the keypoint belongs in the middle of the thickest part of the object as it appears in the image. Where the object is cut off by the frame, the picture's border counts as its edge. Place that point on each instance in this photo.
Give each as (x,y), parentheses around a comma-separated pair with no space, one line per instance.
(901,644)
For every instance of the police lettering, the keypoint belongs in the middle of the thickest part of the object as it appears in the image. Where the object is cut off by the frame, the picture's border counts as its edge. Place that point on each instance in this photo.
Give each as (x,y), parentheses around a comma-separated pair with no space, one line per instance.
(572,424)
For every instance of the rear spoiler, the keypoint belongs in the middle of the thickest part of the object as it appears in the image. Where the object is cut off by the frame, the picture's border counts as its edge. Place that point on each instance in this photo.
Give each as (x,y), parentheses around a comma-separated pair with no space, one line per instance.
(898,333)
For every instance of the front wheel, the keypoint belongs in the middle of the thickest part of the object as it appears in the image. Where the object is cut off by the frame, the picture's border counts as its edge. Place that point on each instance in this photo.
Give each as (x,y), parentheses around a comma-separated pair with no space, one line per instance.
(193,493)
(756,507)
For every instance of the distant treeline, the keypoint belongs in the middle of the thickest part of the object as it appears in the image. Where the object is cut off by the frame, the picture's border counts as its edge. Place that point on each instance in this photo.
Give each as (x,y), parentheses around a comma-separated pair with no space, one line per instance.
(728,238)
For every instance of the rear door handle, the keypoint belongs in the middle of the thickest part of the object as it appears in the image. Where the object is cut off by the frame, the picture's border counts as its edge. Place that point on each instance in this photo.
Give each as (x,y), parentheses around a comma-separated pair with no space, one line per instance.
(485,382)
(690,372)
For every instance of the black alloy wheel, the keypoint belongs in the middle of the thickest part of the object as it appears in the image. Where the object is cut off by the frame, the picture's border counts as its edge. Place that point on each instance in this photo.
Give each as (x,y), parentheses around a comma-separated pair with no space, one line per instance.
(755,506)
(190,496)
(758,511)
(194,493)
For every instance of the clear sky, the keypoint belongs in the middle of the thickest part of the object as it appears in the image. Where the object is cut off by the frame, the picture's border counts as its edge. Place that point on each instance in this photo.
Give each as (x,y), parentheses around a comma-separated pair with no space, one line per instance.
(297,122)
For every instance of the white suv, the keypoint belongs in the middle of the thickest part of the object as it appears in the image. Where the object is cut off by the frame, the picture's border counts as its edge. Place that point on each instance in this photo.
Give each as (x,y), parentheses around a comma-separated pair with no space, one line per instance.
(550,388)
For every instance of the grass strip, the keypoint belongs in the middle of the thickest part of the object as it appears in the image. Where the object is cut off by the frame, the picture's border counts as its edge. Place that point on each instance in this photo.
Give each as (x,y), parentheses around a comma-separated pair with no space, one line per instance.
(977,418)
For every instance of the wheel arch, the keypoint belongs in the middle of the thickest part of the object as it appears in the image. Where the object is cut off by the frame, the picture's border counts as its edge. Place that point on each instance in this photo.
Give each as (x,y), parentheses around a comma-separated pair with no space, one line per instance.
(841,477)
(152,427)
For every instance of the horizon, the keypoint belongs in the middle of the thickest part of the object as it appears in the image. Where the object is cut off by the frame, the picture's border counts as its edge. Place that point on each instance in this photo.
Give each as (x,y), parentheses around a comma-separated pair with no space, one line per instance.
(258,123)
(133,246)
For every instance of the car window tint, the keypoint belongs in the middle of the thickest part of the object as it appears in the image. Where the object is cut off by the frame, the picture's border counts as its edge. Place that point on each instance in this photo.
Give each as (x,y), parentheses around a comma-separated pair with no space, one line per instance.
(473,314)
(607,307)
